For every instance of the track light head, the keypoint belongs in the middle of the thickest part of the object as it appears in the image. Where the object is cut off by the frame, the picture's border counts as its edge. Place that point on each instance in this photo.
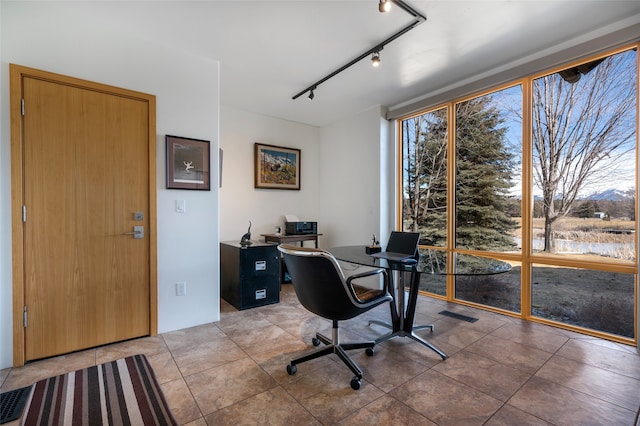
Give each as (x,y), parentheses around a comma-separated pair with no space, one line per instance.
(383,6)
(375,59)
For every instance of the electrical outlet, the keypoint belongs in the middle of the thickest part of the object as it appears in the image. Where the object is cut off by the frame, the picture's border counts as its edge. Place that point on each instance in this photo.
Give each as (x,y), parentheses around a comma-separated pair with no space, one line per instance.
(181,289)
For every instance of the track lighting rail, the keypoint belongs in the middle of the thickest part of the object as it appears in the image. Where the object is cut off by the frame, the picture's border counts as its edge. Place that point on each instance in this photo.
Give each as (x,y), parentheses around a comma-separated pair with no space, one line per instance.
(410,10)
(419,19)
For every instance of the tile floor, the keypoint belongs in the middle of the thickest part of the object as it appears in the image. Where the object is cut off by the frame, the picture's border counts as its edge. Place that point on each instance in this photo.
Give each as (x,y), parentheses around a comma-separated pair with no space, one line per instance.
(500,371)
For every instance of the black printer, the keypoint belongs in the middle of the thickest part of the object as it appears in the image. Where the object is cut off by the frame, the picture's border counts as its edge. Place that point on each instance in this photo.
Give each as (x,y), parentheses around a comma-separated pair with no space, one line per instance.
(300,228)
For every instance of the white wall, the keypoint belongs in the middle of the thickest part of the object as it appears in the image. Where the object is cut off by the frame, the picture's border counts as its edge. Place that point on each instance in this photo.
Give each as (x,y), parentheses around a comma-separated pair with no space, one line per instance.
(240,202)
(75,39)
(356,180)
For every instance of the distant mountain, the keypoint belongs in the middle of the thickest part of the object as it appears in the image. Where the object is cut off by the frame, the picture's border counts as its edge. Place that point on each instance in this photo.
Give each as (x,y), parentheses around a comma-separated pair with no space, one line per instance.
(609,195)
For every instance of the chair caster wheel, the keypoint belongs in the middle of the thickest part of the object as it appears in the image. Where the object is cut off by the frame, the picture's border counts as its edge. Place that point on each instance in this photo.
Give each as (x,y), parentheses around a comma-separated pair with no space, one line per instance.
(369,351)
(291,369)
(315,341)
(355,383)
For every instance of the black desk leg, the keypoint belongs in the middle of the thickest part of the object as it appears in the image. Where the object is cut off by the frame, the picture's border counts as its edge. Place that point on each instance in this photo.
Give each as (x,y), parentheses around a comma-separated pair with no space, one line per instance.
(414,285)
(409,329)
(403,321)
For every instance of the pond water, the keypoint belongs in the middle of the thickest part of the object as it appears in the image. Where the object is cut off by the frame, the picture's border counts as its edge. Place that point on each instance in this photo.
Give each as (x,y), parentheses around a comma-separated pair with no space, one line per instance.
(616,250)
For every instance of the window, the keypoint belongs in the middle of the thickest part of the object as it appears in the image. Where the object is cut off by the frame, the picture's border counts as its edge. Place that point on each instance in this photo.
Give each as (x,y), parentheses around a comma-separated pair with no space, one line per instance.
(540,173)
(488,146)
(424,207)
(584,155)
(594,299)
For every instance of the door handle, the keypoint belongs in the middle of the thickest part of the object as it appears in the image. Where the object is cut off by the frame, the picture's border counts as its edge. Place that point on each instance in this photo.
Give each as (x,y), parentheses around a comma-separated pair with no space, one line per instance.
(138,232)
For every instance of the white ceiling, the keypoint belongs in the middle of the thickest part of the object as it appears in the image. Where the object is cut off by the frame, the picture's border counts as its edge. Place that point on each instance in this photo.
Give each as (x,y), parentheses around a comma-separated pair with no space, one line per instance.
(271,50)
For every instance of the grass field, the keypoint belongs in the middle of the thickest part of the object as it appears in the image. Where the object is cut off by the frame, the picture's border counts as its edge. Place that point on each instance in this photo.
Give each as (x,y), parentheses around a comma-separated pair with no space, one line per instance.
(597,300)
(585,230)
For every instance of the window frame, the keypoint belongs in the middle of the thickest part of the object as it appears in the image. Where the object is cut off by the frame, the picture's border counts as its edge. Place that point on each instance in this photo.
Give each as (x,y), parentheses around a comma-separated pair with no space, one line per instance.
(527,257)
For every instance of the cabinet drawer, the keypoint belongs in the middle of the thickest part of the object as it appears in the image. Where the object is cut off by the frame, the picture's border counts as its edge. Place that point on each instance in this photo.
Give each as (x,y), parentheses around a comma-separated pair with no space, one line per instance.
(259,262)
(258,292)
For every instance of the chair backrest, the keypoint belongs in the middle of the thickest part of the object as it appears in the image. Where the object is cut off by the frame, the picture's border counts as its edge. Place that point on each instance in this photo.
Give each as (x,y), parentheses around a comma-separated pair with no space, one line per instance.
(320,284)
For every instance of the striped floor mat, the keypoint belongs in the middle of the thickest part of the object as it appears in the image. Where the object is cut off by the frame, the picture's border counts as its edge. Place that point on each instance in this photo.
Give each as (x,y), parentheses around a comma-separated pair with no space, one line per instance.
(121,392)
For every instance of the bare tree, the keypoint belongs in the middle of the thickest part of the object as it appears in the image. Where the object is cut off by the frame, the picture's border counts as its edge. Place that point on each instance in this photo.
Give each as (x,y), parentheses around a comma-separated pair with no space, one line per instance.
(425,144)
(583,126)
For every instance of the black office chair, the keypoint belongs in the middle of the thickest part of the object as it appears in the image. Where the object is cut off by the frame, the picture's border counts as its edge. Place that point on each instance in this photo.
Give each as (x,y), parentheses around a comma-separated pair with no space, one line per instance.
(322,288)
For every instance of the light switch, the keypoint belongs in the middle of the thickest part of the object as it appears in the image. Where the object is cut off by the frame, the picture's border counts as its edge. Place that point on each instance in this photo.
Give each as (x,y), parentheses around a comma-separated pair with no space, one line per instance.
(181,206)
(181,289)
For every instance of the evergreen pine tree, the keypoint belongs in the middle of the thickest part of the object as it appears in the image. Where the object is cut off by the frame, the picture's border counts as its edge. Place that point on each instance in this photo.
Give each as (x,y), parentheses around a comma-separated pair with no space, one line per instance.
(483,172)
(483,178)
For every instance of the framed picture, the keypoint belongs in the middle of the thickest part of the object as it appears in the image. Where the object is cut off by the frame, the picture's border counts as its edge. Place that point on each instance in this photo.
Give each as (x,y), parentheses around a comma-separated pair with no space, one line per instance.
(276,167)
(187,163)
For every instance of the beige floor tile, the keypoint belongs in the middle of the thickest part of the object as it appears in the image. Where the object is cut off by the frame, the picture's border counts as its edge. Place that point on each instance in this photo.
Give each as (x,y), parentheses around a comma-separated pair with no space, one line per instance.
(276,365)
(239,322)
(272,407)
(386,411)
(304,327)
(510,416)
(605,357)
(181,402)
(387,369)
(446,401)
(609,344)
(510,353)
(264,339)
(32,372)
(597,382)
(327,394)
(484,374)
(148,346)
(228,384)
(452,332)
(203,356)
(530,334)
(563,406)
(192,336)
(287,345)
(487,322)
(4,373)
(198,422)
(285,312)
(164,367)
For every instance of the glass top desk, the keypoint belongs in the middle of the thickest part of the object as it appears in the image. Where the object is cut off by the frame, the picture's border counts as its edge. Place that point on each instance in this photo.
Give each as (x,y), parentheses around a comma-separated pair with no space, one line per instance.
(432,262)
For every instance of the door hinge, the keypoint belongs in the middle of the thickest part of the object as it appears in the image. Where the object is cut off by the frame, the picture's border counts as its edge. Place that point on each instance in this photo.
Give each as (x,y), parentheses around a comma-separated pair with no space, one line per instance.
(24,317)
(24,213)
(22,106)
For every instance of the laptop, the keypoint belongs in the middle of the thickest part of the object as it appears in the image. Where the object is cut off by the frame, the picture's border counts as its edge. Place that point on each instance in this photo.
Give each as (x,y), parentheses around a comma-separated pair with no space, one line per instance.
(402,246)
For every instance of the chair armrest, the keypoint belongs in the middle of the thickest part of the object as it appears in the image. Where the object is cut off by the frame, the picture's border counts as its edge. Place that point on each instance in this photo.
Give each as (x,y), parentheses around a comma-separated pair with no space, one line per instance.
(364,293)
(368,274)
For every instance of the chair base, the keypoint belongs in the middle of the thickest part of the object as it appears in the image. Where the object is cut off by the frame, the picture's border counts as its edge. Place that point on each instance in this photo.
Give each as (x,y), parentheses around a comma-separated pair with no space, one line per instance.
(409,334)
(334,346)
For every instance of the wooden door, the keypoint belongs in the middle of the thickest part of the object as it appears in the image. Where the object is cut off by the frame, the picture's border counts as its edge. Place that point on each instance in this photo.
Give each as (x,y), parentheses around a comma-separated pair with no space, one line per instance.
(87,279)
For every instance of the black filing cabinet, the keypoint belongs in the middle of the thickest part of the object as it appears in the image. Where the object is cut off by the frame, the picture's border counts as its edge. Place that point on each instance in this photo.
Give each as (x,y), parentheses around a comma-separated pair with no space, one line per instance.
(249,276)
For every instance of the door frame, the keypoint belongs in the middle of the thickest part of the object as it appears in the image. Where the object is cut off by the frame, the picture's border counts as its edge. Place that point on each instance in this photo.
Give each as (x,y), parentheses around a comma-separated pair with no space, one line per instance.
(17,73)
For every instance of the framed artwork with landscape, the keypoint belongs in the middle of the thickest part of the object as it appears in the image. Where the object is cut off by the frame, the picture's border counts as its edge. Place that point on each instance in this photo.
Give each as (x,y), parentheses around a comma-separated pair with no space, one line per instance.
(276,167)
(187,163)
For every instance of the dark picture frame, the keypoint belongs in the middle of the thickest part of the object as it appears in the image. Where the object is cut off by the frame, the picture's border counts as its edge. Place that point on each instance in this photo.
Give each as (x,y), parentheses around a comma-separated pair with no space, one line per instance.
(188,163)
(276,167)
